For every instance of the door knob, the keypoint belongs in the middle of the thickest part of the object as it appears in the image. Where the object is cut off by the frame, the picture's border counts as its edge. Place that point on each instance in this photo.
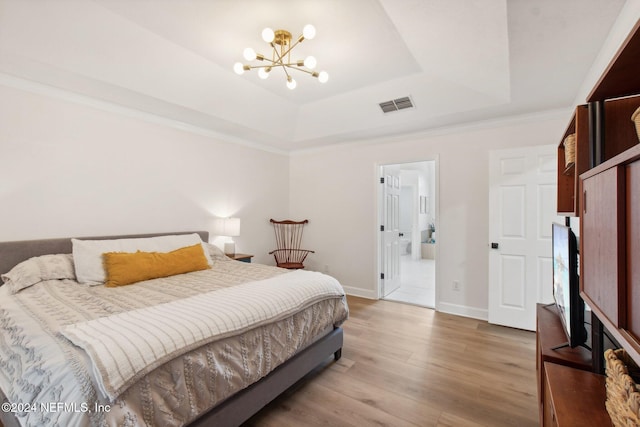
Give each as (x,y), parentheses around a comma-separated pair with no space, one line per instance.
(494,245)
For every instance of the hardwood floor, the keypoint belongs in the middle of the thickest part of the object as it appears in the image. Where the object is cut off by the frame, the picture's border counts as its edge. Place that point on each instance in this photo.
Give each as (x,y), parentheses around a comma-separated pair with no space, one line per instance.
(404,365)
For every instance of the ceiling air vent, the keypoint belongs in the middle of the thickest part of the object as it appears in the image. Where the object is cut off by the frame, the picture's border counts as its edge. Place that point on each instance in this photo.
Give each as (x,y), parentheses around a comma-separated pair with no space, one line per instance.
(396,104)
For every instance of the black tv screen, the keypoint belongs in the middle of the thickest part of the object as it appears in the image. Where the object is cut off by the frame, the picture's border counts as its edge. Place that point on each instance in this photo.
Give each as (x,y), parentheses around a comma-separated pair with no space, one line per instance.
(566,292)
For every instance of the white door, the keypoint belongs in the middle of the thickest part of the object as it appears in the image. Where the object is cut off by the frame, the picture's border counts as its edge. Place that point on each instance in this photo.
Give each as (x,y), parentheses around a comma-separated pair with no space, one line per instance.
(522,206)
(390,232)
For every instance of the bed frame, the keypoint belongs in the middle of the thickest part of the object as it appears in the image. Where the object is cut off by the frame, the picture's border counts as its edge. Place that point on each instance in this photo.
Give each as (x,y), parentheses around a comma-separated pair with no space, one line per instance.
(237,408)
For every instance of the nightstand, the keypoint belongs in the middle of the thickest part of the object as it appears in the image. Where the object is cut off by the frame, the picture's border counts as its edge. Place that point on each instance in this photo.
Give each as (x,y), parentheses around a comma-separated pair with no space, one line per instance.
(241,257)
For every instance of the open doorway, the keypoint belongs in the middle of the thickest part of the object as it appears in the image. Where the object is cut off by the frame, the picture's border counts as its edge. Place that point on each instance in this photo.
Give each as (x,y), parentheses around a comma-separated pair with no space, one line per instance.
(408,245)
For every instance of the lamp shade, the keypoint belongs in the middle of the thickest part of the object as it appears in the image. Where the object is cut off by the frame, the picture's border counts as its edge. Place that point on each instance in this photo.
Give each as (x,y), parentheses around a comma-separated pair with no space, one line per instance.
(229,227)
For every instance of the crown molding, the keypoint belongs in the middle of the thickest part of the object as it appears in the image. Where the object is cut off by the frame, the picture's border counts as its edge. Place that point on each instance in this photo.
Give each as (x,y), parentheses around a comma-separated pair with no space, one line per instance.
(87,101)
(554,114)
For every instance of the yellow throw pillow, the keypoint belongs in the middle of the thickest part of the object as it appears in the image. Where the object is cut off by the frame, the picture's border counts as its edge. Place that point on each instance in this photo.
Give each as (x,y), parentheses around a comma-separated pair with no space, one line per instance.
(124,268)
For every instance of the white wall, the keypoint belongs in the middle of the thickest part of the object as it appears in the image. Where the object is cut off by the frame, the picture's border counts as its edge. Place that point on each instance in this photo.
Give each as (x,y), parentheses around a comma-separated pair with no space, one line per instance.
(336,189)
(72,170)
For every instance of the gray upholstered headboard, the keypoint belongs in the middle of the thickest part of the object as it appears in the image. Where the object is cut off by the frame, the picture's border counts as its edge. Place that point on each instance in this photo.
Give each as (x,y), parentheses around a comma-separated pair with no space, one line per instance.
(12,253)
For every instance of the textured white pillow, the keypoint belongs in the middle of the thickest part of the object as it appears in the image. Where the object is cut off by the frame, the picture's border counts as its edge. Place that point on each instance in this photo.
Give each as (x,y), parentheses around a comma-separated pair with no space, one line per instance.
(38,269)
(87,254)
(216,253)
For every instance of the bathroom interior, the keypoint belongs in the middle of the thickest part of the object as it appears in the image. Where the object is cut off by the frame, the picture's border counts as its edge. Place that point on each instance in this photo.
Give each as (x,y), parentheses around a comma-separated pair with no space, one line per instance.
(418,239)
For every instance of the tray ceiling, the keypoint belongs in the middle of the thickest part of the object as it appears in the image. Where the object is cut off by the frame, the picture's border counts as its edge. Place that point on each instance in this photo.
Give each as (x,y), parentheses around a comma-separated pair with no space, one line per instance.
(458,60)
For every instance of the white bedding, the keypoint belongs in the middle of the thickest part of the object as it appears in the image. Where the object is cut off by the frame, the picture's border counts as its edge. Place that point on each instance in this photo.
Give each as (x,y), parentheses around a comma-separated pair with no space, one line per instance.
(126,346)
(50,381)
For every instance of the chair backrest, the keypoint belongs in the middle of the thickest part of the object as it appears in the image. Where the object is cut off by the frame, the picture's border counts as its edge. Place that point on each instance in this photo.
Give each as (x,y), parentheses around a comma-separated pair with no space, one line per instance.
(288,242)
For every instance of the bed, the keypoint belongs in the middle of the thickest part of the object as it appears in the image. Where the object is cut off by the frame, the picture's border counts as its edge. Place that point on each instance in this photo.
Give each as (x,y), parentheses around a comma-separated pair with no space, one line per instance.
(67,356)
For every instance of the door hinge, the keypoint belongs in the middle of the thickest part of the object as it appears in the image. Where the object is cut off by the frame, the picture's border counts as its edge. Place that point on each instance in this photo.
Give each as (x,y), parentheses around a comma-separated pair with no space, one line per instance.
(382,228)
(382,276)
(381,180)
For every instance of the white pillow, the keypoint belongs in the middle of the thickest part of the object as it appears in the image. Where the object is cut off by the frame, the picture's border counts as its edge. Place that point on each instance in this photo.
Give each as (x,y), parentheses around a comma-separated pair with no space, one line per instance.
(87,254)
(215,252)
(38,269)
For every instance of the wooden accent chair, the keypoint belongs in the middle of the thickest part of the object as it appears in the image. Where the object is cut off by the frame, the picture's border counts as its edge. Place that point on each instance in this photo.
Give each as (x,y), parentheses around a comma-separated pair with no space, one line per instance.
(288,239)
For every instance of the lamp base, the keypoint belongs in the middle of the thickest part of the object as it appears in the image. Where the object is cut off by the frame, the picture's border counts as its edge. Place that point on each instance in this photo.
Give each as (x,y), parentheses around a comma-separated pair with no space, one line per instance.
(230,248)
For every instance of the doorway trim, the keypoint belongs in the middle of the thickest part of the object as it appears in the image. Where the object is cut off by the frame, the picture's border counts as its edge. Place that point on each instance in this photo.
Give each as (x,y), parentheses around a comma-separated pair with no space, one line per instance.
(379,262)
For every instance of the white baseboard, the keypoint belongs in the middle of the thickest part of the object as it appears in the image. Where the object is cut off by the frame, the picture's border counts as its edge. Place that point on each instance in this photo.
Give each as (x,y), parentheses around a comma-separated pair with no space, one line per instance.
(463,310)
(443,307)
(359,292)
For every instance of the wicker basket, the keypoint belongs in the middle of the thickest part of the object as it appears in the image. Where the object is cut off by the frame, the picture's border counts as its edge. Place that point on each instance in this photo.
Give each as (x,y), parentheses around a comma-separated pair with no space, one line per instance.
(636,119)
(623,394)
(570,150)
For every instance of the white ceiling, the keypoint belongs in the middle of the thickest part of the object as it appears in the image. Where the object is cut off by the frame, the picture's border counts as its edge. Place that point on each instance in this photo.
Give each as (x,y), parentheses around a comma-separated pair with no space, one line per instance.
(459,60)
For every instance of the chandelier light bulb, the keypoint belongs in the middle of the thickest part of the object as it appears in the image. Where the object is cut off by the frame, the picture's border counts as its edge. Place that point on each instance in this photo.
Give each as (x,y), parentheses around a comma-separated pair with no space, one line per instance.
(268,35)
(238,68)
(309,31)
(310,62)
(291,83)
(323,77)
(263,73)
(249,54)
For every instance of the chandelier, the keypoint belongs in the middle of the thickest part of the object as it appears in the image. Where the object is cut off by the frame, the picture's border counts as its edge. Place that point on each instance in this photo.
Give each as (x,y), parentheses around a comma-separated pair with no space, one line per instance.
(280,42)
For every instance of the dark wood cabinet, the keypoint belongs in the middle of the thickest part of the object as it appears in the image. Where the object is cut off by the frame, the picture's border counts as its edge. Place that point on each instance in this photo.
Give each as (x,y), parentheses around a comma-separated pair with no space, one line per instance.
(619,130)
(633,248)
(568,202)
(574,398)
(608,197)
(602,188)
(602,243)
(621,76)
(610,246)
(550,337)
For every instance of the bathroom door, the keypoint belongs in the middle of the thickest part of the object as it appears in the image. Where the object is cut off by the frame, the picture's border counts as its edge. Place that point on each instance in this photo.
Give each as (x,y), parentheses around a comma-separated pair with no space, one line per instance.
(390,231)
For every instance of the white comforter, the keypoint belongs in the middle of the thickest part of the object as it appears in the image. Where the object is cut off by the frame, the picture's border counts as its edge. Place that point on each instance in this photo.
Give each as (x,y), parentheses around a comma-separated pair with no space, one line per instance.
(126,346)
(50,381)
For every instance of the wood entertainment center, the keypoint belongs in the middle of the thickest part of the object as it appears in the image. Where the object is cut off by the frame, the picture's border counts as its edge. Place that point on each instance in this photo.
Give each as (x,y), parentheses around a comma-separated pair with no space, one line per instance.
(602,189)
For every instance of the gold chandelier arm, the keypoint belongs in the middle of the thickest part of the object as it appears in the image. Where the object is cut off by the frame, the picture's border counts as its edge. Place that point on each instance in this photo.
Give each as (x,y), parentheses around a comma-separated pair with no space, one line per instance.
(294,67)
(279,62)
(286,72)
(275,51)
(285,53)
(292,64)
(252,67)
(284,66)
(270,61)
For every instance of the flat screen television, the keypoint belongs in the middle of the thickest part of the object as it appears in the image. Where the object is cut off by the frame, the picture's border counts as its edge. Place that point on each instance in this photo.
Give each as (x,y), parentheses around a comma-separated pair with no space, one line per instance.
(566,288)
